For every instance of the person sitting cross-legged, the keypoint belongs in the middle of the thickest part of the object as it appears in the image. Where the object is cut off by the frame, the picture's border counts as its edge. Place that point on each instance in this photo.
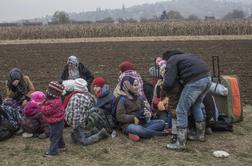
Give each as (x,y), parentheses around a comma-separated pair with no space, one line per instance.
(134,119)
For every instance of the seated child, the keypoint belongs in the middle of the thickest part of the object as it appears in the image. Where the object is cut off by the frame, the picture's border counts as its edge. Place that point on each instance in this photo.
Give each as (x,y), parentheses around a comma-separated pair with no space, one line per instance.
(33,122)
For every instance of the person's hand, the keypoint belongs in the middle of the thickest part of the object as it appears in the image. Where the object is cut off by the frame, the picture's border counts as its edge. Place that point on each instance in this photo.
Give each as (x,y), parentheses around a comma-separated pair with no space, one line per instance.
(15,82)
(136,120)
(24,103)
(163,104)
(166,102)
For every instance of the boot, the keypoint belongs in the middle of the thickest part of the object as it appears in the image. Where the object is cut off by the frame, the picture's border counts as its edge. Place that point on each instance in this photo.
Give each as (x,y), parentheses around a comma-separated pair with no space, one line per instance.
(209,131)
(200,132)
(75,136)
(180,144)
(95,138)
(173,139)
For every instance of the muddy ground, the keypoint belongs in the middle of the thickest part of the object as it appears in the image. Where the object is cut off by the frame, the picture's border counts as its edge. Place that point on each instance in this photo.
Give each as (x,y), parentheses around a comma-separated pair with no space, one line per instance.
(44,62)
(121,151)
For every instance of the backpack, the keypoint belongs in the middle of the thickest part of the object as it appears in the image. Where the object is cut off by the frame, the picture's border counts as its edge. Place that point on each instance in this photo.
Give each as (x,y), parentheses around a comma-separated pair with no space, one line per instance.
(100,118)
(224,123)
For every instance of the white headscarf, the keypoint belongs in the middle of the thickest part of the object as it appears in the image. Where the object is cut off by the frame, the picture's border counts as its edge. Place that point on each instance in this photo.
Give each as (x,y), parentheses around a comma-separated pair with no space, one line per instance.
(69,85)
(73,60)
(73,72)
(80,85)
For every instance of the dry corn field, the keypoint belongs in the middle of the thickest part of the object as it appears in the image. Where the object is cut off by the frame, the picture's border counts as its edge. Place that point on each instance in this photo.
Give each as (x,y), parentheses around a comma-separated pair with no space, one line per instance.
(171,28)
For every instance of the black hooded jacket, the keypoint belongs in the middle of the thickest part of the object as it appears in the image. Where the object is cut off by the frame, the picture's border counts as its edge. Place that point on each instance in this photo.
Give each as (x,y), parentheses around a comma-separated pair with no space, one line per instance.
(184,68)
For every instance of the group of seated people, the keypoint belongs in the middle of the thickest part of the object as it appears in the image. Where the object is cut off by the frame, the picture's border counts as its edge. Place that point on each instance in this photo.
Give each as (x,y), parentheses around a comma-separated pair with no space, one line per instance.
(180,86)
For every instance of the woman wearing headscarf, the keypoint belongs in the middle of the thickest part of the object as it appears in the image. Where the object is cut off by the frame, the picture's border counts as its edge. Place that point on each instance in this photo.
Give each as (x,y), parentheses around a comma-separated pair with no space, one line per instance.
(74,69)
(19,86)
(128,69)
(131,112)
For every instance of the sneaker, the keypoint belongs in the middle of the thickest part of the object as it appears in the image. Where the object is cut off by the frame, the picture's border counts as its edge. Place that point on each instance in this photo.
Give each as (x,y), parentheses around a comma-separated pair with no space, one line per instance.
(42,136)
(134,137)
(49,155)
(27,135)
(62,148)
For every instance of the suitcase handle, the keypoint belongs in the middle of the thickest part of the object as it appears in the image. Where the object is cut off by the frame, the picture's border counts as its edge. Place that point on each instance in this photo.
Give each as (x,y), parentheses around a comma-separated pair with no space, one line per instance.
(216,68)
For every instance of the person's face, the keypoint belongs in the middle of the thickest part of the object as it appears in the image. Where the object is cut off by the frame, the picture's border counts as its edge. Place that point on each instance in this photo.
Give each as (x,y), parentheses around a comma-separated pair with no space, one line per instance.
(97,89)
(135,87)
(15,82)
(71,66)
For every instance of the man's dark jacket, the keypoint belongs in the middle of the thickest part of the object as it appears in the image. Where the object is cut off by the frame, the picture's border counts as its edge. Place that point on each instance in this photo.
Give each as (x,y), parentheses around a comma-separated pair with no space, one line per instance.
(84,73)
(184,68)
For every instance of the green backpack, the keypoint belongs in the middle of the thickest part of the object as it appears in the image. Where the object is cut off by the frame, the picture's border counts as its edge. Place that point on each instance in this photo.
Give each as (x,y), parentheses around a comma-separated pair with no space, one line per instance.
(99,118)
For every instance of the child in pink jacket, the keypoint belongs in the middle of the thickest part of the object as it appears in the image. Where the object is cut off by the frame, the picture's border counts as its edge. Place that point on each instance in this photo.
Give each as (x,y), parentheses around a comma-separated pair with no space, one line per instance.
(33,122)
(53,112)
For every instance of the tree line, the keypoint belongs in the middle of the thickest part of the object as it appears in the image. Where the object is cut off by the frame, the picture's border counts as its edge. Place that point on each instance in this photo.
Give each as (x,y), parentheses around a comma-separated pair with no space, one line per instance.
(61,17)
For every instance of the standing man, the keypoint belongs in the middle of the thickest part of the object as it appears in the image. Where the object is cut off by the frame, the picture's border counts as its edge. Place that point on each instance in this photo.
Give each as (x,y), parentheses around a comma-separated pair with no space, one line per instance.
(193,73)
(74,69)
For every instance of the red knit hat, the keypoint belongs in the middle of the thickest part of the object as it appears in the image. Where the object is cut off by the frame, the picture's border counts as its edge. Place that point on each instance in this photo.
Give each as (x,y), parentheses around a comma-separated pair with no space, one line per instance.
(126,65)
(98,81)
(54,89)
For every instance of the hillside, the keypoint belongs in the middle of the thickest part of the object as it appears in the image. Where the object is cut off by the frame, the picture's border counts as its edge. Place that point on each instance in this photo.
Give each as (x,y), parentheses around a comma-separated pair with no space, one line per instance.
(201,8)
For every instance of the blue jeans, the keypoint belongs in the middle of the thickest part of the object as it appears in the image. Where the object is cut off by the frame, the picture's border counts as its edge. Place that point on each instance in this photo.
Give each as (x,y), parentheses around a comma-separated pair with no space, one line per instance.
(166,117)
(148,130)
(190,99)
(56,137)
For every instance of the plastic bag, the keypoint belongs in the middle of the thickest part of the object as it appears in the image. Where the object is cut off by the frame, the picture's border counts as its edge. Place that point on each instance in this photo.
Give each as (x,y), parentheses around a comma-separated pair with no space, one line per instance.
(218,89)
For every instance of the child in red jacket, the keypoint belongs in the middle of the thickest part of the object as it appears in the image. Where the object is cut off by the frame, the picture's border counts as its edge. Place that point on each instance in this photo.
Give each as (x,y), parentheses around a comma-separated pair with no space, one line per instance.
(53,112)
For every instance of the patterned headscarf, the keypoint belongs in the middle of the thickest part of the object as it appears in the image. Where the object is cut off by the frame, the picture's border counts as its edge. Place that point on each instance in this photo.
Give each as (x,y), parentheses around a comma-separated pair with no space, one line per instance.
(126,86)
